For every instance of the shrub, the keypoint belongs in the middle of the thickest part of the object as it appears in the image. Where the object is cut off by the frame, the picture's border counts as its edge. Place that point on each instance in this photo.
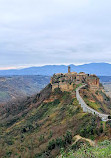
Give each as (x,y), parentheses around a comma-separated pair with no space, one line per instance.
(8,153)
(57,91)
(50,135)
(28,128)
(105,142)
(109,117)
(10,142)
(82,132)
(51,145)
(41,138)
(24,130)
(79,143)
(59,142)
(56,101)
(101,129)
(97,92)
(68,137)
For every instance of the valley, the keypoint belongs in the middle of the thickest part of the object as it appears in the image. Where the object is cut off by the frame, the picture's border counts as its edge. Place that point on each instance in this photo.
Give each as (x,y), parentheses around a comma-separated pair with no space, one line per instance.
(107,88)
(14,87)
(106,81)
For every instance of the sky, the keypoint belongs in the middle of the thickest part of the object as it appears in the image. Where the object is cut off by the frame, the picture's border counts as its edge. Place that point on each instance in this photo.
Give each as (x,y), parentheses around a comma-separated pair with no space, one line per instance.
(44,32)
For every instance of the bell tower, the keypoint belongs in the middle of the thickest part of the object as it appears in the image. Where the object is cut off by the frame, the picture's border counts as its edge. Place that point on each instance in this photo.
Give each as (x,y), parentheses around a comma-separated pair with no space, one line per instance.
(69,69)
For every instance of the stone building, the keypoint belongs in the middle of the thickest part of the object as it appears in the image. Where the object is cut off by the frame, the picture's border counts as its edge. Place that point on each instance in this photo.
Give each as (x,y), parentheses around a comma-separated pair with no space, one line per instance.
(66,81)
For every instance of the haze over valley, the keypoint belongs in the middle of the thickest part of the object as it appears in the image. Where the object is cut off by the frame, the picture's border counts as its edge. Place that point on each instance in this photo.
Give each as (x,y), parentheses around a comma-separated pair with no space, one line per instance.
(18,87)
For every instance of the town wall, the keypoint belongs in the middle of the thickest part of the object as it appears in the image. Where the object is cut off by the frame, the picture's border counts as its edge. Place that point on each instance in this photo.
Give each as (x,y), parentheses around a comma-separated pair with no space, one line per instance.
(66,81)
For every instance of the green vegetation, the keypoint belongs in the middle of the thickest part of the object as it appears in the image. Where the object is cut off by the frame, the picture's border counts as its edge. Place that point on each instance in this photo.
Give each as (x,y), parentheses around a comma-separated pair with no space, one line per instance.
(93,105)
(97,100)
(57,91)
(43,124)
(60,142)
(76,86)
(102,150)
(105,97)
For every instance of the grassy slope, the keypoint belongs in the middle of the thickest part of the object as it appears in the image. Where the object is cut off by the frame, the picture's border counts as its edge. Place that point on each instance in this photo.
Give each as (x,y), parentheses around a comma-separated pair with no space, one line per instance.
(101,150)
(97,100)
(31,134)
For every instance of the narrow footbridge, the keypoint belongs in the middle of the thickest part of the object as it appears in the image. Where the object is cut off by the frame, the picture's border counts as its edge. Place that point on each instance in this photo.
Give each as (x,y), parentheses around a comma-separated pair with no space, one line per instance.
(86,108)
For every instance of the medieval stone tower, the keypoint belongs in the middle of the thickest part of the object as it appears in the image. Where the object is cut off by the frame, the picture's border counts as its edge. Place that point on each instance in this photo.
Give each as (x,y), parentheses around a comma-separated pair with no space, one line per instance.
(69,69)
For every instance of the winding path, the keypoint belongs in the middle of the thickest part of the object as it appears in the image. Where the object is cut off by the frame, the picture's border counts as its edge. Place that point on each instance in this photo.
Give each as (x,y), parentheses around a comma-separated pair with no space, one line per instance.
(86,108)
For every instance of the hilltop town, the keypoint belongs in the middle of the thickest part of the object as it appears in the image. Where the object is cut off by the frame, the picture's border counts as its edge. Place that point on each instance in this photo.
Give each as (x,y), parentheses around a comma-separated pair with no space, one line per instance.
(76,81)
(66,81)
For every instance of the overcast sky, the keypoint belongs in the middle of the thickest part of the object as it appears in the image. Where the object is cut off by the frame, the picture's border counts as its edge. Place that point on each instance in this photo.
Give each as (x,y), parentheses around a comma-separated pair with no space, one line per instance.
(40,32)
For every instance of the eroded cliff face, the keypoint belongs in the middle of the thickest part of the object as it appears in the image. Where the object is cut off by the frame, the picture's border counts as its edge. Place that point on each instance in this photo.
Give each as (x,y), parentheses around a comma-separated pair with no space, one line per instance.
(97,99)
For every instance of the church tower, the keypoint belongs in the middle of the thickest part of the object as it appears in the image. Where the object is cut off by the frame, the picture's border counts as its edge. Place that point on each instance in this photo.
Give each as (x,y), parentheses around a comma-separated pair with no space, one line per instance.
(69,69)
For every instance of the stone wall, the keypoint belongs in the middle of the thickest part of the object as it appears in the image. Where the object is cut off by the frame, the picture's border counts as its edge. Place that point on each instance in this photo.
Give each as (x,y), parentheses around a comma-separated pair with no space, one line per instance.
(63,86)
(55,85)
(66,87)
(65,81)
(93,82)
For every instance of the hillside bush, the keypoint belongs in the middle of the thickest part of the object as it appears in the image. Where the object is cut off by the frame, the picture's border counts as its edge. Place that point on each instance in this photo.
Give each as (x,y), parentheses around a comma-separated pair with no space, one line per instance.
(56,101)
(57,91)
(102,150)
(79,144)
(68,137)
(41,138)
(109,117)
(60,142)
(50,135)
(51,145)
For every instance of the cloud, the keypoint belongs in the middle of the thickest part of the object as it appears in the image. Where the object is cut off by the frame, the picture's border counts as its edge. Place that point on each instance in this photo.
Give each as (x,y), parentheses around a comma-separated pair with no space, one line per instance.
(38,32)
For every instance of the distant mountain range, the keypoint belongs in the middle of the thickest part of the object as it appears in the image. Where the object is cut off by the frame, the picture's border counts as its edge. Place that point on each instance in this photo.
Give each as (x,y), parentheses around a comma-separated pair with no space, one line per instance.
(100,69)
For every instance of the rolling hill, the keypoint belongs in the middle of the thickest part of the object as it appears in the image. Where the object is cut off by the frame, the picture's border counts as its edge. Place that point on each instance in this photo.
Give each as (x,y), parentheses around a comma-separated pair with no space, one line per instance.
(14,87)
